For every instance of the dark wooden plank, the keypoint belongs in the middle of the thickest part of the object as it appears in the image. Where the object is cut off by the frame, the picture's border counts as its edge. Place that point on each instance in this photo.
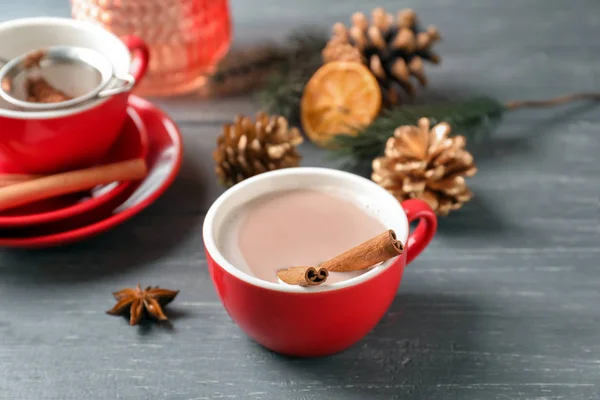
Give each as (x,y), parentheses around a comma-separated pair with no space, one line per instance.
(503,305)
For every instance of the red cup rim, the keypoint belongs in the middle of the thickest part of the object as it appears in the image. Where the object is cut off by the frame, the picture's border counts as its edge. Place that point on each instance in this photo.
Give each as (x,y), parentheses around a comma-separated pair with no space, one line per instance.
(247,190)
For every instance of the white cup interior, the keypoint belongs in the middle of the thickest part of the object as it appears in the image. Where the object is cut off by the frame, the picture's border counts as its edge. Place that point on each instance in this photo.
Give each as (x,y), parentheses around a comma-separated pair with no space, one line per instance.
(382,205)
(24,35)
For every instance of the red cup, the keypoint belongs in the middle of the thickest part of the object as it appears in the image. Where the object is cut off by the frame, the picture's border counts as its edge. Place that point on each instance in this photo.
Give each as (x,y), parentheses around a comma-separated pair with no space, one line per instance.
(320,320)
(43,142)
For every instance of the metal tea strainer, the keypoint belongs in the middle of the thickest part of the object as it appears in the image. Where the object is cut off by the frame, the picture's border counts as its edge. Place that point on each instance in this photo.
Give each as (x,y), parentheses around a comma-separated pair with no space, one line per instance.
(84,74)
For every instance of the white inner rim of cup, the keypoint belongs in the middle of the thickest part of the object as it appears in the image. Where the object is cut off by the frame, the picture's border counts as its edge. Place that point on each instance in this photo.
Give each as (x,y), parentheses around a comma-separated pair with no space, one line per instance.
(37,32)
(389,209)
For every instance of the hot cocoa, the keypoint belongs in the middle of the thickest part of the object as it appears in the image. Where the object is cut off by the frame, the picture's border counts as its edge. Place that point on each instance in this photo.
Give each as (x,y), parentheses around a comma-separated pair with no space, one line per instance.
(296,228)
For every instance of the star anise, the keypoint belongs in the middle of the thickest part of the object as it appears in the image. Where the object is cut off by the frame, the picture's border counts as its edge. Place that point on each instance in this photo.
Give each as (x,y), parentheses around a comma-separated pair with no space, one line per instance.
(140,303)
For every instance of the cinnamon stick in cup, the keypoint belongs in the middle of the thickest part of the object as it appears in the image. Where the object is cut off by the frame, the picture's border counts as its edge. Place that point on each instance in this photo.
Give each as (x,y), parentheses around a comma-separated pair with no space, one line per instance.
(378,249)
(49,186)
(303,276)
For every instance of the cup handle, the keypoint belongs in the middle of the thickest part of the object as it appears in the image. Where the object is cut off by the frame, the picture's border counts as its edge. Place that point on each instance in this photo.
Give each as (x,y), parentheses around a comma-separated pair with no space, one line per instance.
(140,55)
(127,82)
(422,235)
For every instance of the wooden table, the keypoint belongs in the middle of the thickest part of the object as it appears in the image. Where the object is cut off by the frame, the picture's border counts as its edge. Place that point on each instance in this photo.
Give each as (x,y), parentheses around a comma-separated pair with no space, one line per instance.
(504,304)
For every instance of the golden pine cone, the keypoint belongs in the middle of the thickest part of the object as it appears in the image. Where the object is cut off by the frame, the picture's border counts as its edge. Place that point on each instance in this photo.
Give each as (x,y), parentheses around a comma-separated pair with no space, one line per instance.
(338,48)
(247,148)
(394,49)
(426,164)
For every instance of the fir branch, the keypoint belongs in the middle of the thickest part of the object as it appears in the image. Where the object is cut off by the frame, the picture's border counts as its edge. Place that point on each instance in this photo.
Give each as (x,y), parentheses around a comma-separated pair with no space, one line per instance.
(282,92)
(473,118)
(243,70)
(281,95)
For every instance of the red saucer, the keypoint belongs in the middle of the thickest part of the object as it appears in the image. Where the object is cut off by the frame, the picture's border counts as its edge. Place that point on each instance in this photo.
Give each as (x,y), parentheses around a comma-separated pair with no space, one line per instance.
(132,143)
(165,152)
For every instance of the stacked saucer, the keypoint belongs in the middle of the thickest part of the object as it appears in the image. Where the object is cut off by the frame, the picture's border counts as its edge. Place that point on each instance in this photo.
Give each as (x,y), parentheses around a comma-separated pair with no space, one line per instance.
(147,134)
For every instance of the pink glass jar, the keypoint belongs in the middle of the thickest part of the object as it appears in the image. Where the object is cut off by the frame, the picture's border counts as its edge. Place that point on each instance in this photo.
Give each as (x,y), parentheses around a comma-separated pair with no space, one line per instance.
(187,38)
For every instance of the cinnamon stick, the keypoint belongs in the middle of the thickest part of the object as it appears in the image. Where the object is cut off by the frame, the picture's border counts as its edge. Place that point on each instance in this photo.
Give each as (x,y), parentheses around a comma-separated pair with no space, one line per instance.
(11,179)
(303,276)
(46,187)
(378,249)
(375,250)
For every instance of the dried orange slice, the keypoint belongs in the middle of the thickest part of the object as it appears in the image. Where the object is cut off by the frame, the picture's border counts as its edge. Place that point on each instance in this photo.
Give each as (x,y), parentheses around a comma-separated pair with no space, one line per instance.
(339,98)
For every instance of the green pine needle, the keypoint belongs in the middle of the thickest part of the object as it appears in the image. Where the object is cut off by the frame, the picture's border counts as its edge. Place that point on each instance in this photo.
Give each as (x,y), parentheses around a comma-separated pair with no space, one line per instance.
(473,118)
(281,95)
(283,90)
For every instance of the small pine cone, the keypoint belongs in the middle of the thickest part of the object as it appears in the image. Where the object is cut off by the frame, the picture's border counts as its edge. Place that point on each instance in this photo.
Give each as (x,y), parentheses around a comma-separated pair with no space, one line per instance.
(394,49)
(426,164)
(247,148)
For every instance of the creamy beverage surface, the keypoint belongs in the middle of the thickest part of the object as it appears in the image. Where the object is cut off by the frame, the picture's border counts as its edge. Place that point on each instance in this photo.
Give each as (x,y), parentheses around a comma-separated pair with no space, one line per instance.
(295,228)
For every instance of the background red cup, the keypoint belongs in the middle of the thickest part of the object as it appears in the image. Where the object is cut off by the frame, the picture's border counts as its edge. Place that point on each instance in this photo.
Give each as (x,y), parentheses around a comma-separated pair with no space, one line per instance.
(52,141)
(321,320)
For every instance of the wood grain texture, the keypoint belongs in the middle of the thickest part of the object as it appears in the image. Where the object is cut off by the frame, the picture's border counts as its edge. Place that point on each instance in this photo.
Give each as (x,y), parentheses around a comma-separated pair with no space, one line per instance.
(503,305)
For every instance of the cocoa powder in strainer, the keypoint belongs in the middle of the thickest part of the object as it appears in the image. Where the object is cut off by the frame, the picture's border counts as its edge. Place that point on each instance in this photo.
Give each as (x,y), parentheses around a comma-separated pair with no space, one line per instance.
(40,91)
(37,88)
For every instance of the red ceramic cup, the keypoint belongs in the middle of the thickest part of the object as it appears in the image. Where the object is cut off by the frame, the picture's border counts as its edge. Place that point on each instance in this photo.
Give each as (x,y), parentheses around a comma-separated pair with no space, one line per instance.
(44,142)
(321,320)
